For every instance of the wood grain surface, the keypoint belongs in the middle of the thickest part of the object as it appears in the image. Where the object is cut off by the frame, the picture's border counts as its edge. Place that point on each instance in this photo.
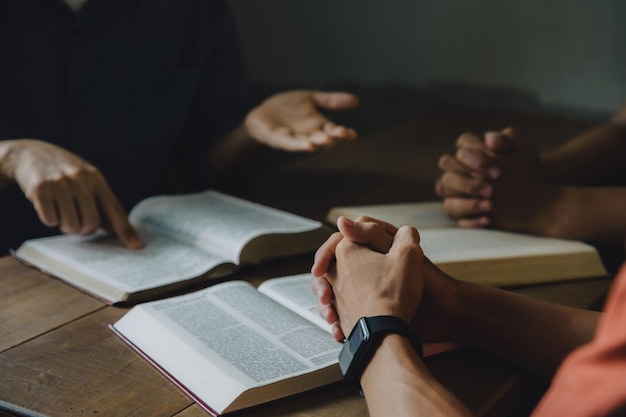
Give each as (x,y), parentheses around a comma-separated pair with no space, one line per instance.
(59,359)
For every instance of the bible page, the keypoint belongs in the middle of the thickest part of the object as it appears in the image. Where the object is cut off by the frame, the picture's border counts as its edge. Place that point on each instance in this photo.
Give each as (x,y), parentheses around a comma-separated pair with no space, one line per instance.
(243,333)
(428,215)
(295,293)
(216,222)
(161,261)
(451,245)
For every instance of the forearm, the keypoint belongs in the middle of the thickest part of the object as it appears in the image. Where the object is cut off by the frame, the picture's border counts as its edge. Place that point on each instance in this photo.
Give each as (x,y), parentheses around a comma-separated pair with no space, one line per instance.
(583,213)
(533,333)
(594,154)
(230,153)
(6,176)
(397,383)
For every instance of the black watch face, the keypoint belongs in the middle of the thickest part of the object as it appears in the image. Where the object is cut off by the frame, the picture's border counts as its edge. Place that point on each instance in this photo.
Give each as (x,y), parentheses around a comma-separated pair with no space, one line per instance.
(357,337)
(359,334)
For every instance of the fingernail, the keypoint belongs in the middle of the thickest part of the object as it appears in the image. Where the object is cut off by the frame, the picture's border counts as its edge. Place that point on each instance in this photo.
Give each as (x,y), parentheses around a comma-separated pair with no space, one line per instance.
(494,172)
(318,293)
(135,243)
(484,221)
(485,205)
(314,271)
(349,223)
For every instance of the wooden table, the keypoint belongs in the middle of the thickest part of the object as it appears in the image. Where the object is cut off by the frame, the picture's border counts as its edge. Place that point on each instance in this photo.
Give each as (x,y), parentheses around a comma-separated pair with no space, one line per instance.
(58,358)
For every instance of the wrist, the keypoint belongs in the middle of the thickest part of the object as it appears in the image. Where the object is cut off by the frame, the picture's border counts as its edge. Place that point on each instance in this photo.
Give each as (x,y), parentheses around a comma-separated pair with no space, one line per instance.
(458,316)
(437,317)
(231,151)
(553,216)
(253,131)
(397,380)
(540,212)
(555,165)
(394,351)
(7,164)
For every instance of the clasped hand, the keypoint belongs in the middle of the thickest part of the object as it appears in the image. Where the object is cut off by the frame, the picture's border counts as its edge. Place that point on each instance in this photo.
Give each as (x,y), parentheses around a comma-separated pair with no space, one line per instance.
(368,268)
(497,180)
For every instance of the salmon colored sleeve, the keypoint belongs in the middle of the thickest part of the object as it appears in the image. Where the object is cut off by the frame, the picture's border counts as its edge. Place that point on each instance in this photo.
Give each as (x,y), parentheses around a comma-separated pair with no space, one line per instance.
(592,379)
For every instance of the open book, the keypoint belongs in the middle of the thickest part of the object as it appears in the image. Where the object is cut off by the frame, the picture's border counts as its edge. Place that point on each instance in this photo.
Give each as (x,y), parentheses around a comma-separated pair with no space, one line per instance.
(485,256)
(231,346)
(186,237)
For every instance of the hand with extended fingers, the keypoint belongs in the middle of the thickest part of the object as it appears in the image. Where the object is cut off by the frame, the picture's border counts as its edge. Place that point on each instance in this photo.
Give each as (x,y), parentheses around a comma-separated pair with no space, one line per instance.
(292,120)
(65,190)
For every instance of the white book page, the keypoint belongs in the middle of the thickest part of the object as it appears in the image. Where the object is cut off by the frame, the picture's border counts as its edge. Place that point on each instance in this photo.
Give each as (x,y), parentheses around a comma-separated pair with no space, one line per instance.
(161,261)
(252,337)
(427,215)
(295,293)
(445,245)
(443,241)
(216,222)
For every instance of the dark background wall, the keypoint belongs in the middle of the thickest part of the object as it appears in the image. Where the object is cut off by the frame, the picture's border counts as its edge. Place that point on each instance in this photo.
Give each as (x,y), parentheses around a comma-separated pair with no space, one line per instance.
(564,56)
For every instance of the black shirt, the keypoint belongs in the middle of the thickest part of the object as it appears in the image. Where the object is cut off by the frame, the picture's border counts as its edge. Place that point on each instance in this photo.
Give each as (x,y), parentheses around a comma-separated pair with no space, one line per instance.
(123,83)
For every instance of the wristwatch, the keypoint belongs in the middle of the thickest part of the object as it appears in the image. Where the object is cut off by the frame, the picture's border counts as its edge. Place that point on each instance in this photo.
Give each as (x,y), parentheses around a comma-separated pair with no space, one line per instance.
(364,339)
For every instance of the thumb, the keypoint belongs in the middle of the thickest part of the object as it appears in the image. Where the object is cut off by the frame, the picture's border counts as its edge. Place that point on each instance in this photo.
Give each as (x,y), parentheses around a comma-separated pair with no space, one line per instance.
(503,141)
(407,238)
(335,100)
(510,132)
(369,234)
(517,141)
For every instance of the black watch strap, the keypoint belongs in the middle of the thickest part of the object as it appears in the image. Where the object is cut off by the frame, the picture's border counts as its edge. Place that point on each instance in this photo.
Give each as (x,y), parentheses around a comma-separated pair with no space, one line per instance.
(383,325)
(364,340)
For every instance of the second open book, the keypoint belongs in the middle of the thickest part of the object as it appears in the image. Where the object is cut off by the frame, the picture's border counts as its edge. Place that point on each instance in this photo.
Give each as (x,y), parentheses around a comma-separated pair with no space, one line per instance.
(233,346)
(485,256)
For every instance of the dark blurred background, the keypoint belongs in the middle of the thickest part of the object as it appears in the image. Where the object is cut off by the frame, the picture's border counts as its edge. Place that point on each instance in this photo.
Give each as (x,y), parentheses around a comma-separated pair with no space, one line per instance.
(559,57)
